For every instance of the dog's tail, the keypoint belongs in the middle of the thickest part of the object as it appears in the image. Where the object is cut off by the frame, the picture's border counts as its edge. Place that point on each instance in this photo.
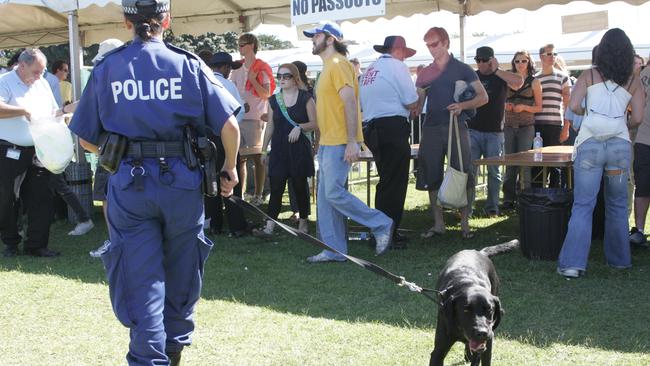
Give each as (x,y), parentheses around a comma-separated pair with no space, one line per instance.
(500,248)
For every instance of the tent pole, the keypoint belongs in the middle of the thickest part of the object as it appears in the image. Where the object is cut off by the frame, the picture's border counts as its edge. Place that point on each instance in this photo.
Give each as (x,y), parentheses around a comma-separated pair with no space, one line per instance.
(462,17)
(78,174)
(75,68)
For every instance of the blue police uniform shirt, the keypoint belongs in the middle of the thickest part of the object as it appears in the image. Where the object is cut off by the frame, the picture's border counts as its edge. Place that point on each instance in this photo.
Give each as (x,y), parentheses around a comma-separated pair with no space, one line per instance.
(149,91)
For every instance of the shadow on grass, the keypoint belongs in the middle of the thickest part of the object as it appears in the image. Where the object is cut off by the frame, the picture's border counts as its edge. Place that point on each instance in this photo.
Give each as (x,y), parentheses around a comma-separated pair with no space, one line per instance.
(606,309)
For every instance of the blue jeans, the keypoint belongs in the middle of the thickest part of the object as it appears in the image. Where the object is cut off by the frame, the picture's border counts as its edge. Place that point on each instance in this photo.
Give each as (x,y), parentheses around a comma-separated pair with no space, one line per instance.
(487,145)
(591,159)
(336,204)
(516,140)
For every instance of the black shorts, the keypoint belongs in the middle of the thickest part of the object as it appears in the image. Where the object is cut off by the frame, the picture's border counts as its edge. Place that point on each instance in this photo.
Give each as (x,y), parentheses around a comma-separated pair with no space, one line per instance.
(641,167)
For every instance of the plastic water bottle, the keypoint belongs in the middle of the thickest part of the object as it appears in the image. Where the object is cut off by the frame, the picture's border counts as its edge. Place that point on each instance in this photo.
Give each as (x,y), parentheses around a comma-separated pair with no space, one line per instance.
(537,147)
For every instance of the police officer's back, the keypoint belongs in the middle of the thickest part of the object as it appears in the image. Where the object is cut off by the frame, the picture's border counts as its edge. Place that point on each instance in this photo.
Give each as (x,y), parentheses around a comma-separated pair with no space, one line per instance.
(143,96)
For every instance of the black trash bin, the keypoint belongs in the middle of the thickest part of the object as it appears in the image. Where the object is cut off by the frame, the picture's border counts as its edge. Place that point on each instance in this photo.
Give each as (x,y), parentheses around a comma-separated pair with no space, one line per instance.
(543,221)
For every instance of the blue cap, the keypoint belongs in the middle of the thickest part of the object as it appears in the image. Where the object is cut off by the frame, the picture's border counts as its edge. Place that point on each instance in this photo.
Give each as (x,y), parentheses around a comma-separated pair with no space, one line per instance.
(328,27)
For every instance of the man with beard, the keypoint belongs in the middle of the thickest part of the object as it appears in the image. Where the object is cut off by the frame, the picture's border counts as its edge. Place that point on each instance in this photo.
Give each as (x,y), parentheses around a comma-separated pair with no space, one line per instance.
(339,122)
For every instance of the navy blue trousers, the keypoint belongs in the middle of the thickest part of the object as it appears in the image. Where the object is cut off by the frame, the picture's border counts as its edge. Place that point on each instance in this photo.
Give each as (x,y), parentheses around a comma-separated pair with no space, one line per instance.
(156,258)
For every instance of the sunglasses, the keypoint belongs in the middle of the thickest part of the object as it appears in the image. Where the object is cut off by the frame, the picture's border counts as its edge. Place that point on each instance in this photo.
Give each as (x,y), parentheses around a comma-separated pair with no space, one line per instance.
(521,61)
(284,76)
(433,44)
(243,44)
(550,54)
(481,59)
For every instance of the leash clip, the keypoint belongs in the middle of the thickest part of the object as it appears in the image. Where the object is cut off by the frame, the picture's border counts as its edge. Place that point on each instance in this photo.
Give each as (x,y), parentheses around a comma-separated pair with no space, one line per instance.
(410,285)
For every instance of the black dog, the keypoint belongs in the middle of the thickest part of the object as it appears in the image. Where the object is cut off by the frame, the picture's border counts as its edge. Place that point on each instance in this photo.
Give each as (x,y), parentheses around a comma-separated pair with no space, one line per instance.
(469,308)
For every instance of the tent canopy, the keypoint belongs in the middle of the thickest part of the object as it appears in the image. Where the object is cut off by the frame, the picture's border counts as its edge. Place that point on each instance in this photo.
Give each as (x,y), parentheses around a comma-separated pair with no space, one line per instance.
(44,22)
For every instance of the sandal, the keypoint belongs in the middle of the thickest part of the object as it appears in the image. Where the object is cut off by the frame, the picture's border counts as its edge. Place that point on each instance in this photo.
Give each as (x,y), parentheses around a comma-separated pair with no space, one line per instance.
(431,233)
(467,234)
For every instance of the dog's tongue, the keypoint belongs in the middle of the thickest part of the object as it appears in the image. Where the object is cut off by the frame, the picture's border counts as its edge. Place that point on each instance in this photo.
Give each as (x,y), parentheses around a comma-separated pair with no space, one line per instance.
(476,345)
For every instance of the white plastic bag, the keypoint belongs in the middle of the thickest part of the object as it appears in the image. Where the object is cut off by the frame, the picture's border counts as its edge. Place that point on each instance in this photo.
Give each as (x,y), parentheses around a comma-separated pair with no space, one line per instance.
(53,143)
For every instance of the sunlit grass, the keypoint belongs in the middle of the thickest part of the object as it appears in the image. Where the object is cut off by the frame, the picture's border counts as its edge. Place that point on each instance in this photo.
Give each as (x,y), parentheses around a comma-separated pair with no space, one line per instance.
(264,305)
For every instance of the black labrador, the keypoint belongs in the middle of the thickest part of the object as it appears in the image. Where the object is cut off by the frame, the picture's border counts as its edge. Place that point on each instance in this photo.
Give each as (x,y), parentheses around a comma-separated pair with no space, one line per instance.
(469,309)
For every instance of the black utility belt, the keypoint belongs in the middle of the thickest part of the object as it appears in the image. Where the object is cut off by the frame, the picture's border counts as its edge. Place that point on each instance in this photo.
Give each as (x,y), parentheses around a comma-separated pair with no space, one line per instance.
(155,149)
(114,147)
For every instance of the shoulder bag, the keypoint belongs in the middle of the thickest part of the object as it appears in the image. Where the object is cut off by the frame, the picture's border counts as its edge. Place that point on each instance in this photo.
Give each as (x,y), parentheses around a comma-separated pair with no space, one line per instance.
(453,190)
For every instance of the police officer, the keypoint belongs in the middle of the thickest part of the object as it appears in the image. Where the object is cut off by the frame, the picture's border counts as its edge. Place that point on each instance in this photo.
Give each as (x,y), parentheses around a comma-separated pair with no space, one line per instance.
(147,91)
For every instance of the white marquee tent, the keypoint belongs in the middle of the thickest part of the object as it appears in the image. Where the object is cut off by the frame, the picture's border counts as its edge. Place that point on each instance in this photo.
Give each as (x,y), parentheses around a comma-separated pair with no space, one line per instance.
(84,22)
(43,22)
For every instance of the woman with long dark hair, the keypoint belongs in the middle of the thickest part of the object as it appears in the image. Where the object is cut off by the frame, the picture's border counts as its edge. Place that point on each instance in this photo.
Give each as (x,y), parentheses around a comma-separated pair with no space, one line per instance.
(603,148)
(519,129)
(291,115)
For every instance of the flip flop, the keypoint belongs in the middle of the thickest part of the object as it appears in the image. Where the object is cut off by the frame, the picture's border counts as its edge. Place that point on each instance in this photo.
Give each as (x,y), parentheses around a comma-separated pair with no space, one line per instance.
(431,233)
(467,234)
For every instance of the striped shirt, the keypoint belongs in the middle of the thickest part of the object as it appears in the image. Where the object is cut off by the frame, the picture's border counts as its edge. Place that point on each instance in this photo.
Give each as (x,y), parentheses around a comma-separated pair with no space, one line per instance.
(552,86)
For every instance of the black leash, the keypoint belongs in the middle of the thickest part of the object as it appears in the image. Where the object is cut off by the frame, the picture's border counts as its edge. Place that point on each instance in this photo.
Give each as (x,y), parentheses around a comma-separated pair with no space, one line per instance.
(398,280)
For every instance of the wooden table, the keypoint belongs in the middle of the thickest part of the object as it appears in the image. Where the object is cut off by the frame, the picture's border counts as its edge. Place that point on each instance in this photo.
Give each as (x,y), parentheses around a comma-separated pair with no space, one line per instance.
(552,156)
(366,155)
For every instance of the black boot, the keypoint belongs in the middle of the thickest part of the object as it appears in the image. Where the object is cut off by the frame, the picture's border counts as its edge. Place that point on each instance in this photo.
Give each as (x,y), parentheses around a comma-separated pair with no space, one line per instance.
(174,358)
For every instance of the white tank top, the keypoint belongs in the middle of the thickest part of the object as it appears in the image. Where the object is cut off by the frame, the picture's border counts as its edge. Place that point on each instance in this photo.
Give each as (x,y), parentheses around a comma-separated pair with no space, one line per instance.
(605,114)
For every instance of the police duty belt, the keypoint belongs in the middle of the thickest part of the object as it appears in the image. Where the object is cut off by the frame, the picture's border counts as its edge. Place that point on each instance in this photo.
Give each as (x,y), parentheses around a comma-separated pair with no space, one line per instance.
(398,280)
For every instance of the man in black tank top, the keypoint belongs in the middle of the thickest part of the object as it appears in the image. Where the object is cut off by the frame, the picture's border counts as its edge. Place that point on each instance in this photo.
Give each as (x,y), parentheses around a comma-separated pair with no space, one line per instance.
(486,128)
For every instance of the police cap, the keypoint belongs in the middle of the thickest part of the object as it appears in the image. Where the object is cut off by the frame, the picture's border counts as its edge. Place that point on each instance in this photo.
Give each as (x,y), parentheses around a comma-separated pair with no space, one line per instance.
(145,7)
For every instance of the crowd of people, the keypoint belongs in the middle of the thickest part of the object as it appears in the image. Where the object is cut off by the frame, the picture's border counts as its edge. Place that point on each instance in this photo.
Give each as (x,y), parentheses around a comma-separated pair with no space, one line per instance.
(152,199)
(284,130)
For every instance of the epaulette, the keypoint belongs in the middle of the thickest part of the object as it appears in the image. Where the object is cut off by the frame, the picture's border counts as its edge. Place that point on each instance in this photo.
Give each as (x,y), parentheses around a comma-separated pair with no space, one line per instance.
(115,50)
(183,51)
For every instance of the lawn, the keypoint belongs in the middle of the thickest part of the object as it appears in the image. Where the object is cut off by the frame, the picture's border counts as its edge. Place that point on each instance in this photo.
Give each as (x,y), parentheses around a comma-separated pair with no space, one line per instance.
(263,304)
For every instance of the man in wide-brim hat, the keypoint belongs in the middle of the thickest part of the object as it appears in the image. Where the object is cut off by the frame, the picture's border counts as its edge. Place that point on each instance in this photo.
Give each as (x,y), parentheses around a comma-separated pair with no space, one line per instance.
(388,96)
(395,44)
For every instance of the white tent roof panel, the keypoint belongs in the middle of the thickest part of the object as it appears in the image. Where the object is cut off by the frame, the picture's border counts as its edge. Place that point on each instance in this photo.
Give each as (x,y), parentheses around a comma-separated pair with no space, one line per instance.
(43,22)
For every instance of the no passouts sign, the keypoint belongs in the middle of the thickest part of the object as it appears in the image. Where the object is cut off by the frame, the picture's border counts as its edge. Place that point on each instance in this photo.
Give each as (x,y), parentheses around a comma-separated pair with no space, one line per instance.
(313,11)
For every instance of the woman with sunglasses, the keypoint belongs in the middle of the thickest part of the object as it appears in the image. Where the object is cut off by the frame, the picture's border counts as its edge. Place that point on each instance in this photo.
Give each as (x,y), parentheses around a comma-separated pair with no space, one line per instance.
(603,149)
(292,114)
(519,130)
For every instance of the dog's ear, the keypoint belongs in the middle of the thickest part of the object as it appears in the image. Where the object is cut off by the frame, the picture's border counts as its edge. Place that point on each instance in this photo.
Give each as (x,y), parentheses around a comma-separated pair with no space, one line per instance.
(448,310)
(498,312)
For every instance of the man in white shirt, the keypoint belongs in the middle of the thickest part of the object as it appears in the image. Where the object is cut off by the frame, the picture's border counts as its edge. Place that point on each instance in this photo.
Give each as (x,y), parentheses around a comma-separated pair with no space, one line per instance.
(24,95)
(388,96)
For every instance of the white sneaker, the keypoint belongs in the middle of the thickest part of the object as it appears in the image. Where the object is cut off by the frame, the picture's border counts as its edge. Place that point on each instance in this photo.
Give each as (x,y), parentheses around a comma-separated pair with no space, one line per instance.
(256,201)
(384,240)
(569,272)
(97,253)
(82,228)
(323,257)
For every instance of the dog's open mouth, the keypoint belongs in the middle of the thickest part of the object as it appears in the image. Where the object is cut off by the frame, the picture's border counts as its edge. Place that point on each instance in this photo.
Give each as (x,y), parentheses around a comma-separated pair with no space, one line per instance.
(477,346)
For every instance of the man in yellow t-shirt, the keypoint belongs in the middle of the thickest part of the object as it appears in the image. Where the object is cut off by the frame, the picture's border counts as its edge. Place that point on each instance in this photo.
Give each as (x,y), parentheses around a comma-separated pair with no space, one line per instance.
(339,122)
(61,70)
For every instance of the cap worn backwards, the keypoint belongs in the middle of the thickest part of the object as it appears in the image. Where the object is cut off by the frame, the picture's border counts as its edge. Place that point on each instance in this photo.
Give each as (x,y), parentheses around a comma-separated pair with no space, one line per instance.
(148,6)
(328,27)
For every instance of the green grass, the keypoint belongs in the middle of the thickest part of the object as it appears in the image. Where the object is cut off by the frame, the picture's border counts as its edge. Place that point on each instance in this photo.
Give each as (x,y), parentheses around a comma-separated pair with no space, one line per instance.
(264,305)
